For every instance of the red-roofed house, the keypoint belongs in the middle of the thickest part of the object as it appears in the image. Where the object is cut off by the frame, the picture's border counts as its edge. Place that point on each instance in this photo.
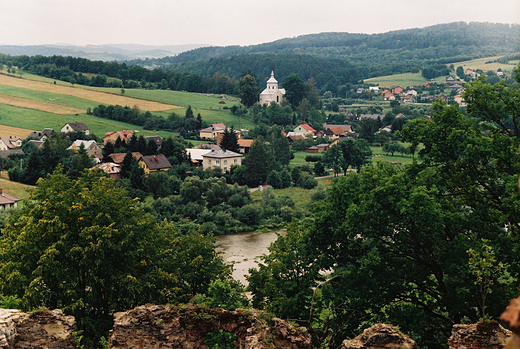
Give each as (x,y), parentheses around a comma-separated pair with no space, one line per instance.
(397,90)
(305,128)
(334,132)
(125,135)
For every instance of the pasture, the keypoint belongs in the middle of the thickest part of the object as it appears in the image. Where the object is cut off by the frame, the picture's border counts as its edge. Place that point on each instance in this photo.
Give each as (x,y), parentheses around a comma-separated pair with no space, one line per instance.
(90,94)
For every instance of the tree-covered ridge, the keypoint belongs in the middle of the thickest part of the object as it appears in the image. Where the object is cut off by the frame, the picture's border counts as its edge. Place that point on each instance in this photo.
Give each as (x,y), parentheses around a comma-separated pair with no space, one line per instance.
(446,42)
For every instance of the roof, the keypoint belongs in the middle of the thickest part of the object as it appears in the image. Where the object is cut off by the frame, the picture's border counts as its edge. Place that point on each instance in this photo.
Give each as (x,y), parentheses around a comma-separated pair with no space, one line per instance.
(6,199)
(371,116)
(219,126)
(196,154)
(272,80)
(5,153)
(307,127)
(8,141)
(157,139)
(336,130)
(156,162)
(77,126)
(38,135)
(109,167)
(86,144)
(245,143)
(38,144)
(292,134)
(220,154)
(118,157)
(124,135)
(345,128)
(207,146)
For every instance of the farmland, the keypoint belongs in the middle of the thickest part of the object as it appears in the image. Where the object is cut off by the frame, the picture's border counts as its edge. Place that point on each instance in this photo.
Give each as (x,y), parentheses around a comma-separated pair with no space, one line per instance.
(33,103)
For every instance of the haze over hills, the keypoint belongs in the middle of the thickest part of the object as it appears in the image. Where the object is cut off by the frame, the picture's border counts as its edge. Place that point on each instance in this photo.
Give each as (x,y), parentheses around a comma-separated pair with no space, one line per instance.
(111,52)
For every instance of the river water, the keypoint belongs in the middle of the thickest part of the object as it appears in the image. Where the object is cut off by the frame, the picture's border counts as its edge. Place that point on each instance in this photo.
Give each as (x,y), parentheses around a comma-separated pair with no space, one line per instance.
(243,250)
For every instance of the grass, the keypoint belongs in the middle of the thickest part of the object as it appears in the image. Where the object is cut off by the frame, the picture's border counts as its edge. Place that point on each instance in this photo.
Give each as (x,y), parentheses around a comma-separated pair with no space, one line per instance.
(37,120)
(19,190)
(48,97)
(210,108)
(407,79)
(300,196)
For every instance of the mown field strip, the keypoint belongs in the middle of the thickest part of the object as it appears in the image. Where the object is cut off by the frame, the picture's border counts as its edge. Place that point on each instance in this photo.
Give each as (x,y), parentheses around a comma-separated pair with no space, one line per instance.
(38,105)
(100,97)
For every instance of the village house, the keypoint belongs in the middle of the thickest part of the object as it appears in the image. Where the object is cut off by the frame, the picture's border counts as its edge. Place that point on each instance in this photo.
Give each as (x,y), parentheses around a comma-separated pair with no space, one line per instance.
(305,128)
(112,137)
(195,154)
(245,145)
(118,158)
(212,131)
(459,100)
(75,127)
(41,136)
(7,201)
(10,142)
(4,154)
(344,127)
(397,90)
(272,92)
(334,132)
(313,149)
(223,159)
(110,168)
(389,96)
(90,146)
(154,163)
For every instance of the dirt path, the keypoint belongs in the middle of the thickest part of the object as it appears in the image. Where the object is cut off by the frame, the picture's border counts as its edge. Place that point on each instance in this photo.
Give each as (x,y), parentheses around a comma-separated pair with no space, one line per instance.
(77,91)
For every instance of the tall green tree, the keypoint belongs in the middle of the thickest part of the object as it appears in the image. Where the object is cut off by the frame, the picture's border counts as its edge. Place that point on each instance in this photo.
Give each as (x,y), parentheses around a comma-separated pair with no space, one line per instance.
(259,162)
(83,246)
(248,90)
(229,140)
(294,89)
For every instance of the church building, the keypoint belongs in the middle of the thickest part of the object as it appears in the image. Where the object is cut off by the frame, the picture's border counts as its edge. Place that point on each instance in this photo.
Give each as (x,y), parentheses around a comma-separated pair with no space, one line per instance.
(272,93)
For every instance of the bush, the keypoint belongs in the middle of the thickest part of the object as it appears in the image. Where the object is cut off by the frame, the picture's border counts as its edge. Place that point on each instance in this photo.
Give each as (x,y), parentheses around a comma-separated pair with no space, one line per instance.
(307,181)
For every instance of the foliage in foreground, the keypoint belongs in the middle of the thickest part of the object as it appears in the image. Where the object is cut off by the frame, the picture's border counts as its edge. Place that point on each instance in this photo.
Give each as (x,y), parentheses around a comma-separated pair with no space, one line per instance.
(423,246)
(82,246)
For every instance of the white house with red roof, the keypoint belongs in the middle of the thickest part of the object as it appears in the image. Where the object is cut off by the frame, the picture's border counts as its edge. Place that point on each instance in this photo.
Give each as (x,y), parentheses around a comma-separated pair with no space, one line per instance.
(305,128)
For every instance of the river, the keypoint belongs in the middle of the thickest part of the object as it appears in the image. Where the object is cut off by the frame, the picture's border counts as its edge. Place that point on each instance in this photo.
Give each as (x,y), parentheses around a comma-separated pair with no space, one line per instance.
(243,250)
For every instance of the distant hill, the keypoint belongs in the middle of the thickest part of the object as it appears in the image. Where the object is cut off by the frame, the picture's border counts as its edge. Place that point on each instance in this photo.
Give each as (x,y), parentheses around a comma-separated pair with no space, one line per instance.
(337,58)
(115,52)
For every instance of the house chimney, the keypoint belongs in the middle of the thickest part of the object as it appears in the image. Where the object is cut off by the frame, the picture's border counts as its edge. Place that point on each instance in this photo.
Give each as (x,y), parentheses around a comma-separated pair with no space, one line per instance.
(1,192)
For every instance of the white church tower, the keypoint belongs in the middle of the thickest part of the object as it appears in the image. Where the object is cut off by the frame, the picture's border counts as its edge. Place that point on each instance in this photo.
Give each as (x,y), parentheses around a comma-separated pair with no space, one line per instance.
(272,93)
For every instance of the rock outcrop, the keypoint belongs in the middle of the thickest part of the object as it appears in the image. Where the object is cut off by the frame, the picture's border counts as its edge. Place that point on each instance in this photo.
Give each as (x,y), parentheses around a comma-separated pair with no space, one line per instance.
(379,336)
(484,335)
(159,326)
(46,329)
(511,317)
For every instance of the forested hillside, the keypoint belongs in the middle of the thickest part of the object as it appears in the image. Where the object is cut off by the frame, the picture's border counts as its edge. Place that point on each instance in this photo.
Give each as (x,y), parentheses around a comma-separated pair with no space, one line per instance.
(337,56)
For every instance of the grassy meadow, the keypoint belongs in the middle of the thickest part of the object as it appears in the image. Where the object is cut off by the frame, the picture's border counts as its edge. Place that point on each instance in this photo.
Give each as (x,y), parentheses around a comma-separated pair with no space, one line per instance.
(211,108)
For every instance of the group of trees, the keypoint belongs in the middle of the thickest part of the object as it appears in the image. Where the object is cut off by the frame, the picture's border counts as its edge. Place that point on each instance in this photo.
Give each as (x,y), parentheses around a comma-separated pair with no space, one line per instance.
(149,121)
(83,246)
(406,245)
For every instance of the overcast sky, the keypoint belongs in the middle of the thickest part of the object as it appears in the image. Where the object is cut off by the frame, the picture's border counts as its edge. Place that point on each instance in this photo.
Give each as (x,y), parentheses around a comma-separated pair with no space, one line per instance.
(227,22)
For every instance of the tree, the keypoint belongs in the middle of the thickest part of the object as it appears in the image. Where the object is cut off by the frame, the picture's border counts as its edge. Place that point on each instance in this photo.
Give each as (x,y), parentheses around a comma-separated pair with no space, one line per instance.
(248,90)
(259,162)
(94,253)
(79,162)
(189,113)
(283,282)
(294,89)
(229,140)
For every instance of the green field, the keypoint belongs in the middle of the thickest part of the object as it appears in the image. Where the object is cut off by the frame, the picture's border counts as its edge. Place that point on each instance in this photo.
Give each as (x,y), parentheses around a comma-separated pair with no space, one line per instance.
(411,79)
(210,107)
(407,79)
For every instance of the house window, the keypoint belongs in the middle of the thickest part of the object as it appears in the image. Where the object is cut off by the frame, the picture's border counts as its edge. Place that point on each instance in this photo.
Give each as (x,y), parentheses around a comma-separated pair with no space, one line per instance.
(225,162)
(209,161)
(236,161)
(217,162)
